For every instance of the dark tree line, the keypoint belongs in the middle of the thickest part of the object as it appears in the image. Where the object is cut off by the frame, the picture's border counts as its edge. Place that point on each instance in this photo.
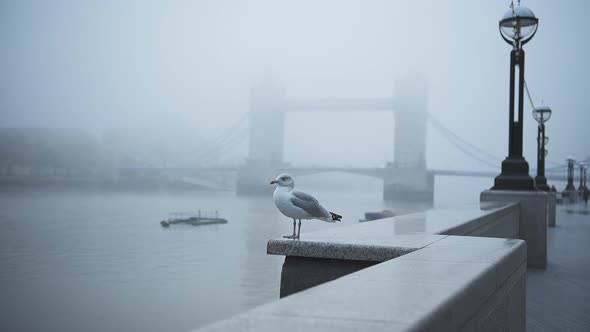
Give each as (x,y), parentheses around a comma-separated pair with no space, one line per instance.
(66,152)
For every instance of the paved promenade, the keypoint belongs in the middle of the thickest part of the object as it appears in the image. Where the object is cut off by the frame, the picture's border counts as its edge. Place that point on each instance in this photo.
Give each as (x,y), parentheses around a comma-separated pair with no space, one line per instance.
(558,299)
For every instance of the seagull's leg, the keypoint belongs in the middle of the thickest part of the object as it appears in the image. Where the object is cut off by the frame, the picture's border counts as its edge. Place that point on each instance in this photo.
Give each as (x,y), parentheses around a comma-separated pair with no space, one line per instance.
(291,236)
(298,231)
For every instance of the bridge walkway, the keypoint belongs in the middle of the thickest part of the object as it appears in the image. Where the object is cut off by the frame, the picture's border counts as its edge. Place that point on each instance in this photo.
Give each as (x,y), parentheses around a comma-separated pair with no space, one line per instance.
(558,298)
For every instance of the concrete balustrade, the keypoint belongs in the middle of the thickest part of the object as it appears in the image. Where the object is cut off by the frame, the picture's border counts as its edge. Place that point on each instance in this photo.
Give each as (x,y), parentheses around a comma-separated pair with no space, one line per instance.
(451,285)
(533,220)
(329,254)
(431,271)
(551,206)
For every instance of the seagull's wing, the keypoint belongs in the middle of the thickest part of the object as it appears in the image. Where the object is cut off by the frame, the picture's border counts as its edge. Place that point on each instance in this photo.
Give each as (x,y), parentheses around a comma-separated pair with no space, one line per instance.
(308,204)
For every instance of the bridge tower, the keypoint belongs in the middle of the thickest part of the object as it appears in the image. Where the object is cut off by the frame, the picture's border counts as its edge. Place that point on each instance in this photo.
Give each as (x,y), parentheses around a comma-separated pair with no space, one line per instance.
(407,179)
(265,156)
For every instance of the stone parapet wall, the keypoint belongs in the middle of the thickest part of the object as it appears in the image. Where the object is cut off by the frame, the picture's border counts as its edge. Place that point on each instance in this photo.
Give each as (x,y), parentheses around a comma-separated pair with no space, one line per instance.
(438,270)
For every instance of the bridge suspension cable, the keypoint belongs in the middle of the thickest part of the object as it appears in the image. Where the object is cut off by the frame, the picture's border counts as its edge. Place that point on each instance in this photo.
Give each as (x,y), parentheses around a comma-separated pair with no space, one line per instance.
(226,141)
(238,139)
(230,144)
(238,132)
(526,88)
(465,146)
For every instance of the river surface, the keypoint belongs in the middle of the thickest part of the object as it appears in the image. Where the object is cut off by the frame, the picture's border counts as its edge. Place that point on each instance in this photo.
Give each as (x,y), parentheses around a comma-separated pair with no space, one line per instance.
(99,261)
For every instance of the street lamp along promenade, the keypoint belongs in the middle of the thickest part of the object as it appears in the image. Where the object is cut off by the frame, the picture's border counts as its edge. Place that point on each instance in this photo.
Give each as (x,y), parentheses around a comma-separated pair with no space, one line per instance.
(570,175)
(582,167)
(541,114)
(517,27)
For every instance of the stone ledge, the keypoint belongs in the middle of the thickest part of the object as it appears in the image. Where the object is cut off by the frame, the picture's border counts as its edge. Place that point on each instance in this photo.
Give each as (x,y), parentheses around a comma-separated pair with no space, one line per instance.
(533,208)
(422,290)
(359,252)
(436,281)
(506,254)
(384,239)
(475,225)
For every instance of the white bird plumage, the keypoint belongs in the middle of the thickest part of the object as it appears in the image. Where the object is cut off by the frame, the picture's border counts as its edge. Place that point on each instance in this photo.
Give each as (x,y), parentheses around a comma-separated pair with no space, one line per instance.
(297,204)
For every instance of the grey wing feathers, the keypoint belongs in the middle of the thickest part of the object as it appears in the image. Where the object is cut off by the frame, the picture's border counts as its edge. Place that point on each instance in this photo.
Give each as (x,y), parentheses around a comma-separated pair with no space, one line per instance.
(308,204)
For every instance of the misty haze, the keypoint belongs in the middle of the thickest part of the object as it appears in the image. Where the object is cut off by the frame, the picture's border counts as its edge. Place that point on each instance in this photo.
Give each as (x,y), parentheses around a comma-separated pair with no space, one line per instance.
(116,116)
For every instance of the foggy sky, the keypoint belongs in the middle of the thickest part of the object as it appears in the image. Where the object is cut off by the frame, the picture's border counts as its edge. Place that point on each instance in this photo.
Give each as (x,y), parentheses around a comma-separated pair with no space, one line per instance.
(189,65)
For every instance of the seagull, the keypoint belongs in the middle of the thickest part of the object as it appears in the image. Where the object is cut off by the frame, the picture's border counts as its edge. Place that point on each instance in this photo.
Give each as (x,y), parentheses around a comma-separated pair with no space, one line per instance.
(296,204)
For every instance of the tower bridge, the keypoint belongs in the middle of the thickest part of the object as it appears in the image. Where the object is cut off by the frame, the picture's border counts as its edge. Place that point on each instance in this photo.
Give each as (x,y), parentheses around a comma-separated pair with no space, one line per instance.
(406,179)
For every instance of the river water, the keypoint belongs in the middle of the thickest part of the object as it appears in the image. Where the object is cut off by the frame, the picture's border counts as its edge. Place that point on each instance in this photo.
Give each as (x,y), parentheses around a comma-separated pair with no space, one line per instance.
(99,261)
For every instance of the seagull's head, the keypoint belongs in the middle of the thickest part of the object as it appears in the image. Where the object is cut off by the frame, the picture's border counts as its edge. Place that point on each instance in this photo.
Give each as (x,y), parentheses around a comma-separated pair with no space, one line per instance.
(284,180)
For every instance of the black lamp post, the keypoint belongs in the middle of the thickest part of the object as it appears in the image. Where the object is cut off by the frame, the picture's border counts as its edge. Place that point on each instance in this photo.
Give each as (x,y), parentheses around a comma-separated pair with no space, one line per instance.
(584,177)
(581,187)
(570,174)
(517,27)
(541,114)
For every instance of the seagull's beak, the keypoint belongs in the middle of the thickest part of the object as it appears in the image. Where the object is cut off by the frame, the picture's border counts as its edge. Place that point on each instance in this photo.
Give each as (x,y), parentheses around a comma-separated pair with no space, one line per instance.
(274,182)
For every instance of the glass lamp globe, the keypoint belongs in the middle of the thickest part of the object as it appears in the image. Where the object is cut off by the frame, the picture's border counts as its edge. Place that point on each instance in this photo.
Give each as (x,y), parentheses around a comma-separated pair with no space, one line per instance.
(518,25)
(542,113)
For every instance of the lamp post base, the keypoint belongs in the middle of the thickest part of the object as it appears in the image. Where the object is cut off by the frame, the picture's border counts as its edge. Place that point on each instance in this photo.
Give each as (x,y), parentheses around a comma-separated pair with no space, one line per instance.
(515,176)
(541,183)
(570,187)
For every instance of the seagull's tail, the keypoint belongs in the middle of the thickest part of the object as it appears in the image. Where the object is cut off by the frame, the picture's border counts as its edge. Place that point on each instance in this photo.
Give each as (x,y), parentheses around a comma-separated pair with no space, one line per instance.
(335,217)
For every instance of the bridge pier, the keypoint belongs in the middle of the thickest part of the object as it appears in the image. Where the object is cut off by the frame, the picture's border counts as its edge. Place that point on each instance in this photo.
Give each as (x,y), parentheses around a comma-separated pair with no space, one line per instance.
(267,119)
(403,184)
(254,179)
(407,179)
